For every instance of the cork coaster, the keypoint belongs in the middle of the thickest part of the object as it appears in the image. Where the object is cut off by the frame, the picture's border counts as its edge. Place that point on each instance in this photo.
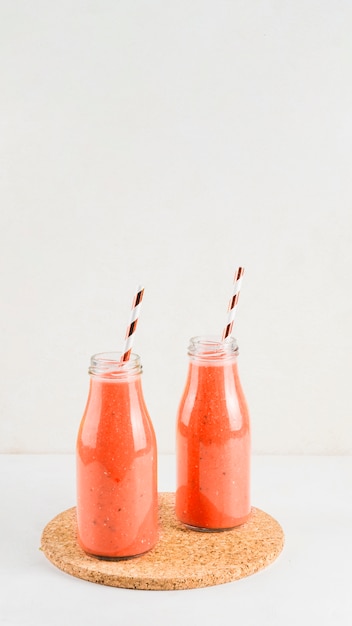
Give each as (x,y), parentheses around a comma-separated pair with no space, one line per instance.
(182,559)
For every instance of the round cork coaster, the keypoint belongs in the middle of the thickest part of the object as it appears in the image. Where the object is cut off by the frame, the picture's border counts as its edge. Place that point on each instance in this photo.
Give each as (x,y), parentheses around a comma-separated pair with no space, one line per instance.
(182,559)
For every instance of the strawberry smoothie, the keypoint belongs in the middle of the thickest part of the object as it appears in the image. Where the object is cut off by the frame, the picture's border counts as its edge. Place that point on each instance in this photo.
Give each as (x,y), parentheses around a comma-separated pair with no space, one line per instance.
(213,440)
(117,512)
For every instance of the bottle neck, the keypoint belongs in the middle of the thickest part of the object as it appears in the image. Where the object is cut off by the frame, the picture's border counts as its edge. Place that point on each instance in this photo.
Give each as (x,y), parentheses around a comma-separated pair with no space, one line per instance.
(108,366)
(212,350)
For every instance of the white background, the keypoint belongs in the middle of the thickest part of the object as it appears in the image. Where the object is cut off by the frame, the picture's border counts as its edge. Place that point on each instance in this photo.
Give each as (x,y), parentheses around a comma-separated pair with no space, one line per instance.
(166,143)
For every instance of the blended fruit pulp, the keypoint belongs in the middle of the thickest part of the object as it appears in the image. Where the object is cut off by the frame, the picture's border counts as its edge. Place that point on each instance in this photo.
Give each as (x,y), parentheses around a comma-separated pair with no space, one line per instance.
(117,511)
(213,449)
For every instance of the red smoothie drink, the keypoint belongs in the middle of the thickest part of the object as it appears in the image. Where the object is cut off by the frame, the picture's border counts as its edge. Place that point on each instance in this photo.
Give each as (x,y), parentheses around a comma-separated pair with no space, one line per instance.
(117,511)
(213,440)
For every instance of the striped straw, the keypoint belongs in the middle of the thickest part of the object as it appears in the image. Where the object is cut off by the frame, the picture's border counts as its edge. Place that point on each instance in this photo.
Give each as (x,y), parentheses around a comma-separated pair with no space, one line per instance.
(131,328)
(233,303)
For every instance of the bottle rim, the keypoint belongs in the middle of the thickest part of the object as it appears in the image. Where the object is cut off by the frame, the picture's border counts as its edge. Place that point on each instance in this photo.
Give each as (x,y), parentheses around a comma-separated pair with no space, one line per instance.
(109,365)
(212,347)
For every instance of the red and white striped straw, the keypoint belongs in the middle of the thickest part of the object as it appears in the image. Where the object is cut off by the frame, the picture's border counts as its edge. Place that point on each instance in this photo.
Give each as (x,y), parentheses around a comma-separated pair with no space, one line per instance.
(231,312)
(131,328)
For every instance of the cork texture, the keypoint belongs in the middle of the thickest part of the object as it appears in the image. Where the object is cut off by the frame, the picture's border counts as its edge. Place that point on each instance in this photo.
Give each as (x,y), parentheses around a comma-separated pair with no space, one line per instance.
(182,558)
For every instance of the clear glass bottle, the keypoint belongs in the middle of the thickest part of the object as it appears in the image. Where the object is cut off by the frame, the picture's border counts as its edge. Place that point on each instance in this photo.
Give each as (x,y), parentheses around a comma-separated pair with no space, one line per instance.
(213,439)
(116,458)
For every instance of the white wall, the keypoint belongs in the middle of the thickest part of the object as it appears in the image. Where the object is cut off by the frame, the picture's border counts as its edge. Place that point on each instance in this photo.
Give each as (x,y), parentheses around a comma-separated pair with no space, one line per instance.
(166,143)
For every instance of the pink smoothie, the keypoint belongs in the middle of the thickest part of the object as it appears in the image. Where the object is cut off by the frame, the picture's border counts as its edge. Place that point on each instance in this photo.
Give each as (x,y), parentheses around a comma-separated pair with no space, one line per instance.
(117,510)
(213,448)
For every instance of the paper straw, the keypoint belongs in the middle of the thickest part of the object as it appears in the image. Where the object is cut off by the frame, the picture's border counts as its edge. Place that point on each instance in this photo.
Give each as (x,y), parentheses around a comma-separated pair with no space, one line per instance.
(131,328)
(233,303)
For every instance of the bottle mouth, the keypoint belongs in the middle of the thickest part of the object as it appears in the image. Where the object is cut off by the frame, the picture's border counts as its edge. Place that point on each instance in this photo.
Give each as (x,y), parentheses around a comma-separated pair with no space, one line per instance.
(109,365)
(212,347)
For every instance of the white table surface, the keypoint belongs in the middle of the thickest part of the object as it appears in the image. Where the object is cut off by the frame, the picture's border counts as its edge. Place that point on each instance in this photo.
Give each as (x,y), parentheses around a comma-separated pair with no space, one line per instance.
(310,582)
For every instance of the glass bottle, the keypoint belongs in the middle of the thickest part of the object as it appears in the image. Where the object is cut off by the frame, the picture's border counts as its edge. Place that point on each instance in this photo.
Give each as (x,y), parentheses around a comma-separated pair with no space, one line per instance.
(213,439)
(116,459)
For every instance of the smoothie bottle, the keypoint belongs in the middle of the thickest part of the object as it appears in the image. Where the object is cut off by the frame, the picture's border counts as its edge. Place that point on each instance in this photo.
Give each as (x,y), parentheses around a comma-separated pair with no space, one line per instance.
(116,454)
(213,440)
